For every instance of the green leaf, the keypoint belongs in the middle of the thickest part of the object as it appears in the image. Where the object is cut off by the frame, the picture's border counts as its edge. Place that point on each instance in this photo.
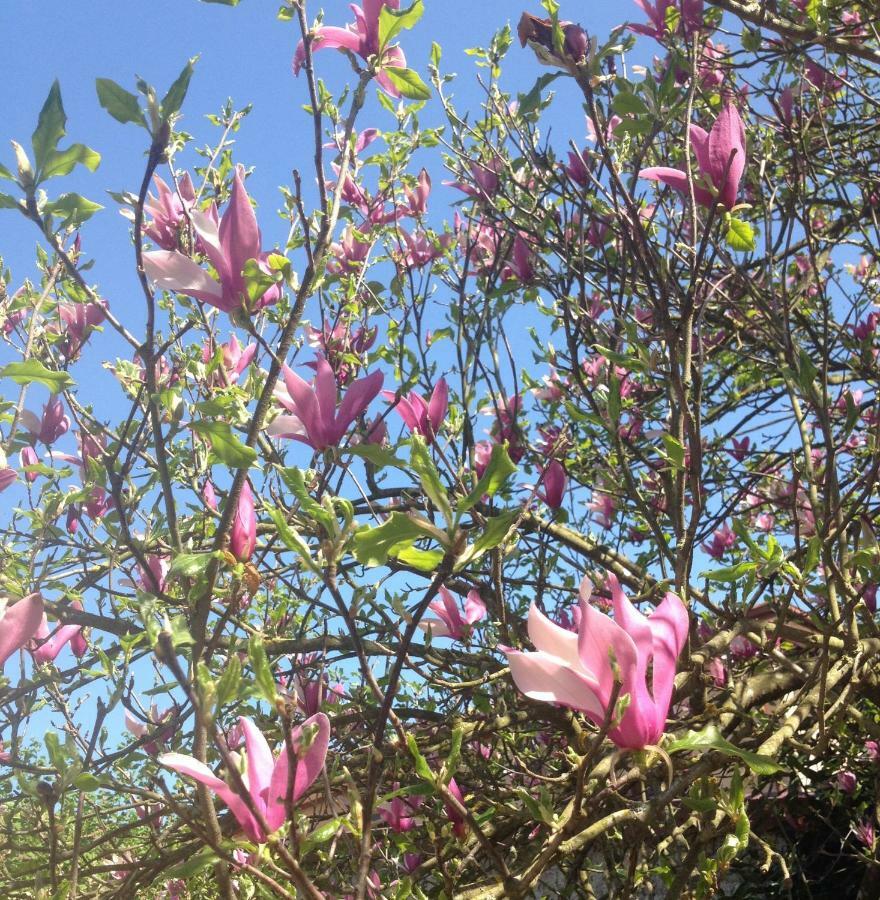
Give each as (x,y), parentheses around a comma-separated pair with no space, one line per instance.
(262,672)
(72,209)
(50,126)
(291,539)
(423,560)
(496,531)
(424,467)
(628,104)
(173,100)
(87,782)
(740,235)
(5,173)
(225,445)
(377,456)
(730,573)
(528,103)
(710,739)
(499,469)
(61,162)
(423,770)
(674,451)
(295,480)
(229,682)
(193,864)
(190,565)
(31,370)
(393,21)
(8,202)
(120,103)
(408,83)
(324,832)
(372,546)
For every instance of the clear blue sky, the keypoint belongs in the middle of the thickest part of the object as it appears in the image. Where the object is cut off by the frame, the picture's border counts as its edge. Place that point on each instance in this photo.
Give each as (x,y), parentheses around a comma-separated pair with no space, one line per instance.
(245,54)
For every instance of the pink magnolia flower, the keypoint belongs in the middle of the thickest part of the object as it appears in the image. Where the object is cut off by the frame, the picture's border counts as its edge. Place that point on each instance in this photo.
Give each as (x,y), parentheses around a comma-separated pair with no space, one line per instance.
(18,624)
(243,536)
(421,416)
(314,416)
(398,814)
(271,783)
(485,179)
(422,248)
(53,425)
(691,17)
(740,448)
(577,670)
(349,254)
(361,38)
(28,457)
(46,647)
(228,247)
(153,726)
(553,484)
(459,823)
(168,211)
(603,507)
(79,320)
(449,622)
(209,495)
(235,359)
(847,782)
(8,476)
(722,540)
(721,160)
(520,263)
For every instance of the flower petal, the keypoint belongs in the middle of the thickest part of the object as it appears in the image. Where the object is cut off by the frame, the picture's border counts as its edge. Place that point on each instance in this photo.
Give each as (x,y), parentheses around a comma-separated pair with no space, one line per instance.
(19,624)
(172,271)
(549,679)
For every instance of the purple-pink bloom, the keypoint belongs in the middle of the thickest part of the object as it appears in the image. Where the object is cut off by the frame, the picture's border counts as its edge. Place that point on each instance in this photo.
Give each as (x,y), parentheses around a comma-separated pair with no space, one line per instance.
(361,37)
(18,624)
(235,359)
(79,319)
(398,814)
(721,161)
(168,211)
(421,416)
(271,783)
(228,247)
(553,484)
(723,539)
(7,476)
(577,670)
(450,622)
(314,417)
(28,457)
(243,536)
(51,426)
(45,646)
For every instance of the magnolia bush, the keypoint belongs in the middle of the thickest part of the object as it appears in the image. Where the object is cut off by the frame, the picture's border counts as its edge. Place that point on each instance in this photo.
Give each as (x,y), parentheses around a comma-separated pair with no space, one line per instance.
(507,537)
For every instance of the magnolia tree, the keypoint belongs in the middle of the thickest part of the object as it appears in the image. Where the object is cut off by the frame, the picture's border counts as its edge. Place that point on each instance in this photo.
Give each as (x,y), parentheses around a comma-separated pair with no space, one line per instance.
(518,546)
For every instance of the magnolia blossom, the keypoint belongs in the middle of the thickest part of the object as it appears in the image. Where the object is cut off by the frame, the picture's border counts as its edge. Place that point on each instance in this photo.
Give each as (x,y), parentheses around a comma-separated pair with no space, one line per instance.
(19,623)
(553,484)
(360,37)
(577,670)
(168,211)
(47,646)
(314,417)
(234,358)
(53,424)
(271,783)
(228,246)
(153,727)
(450,622)
(243,535)
(422,416)
(721,161)
(398,814)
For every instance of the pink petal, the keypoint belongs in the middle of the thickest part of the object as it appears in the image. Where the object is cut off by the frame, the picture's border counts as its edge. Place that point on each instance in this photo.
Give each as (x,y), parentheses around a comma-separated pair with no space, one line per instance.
(239,233)
(669,624)
(326,394)
(554,640)
(287,427)
(727,136)
(549,679)
(308,767)
(438,405)
(260,763)
(18,624)
(328,37)
(677,180)
(700,143)
(187,765)
(307,410)
(436,628)
(474,608)
(172,271)
(357,398)
(597,638)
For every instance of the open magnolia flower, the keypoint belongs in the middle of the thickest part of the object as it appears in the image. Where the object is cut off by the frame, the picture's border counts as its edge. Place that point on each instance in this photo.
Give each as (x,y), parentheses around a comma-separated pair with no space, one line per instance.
(270,783)
(580,670)
(18,624)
